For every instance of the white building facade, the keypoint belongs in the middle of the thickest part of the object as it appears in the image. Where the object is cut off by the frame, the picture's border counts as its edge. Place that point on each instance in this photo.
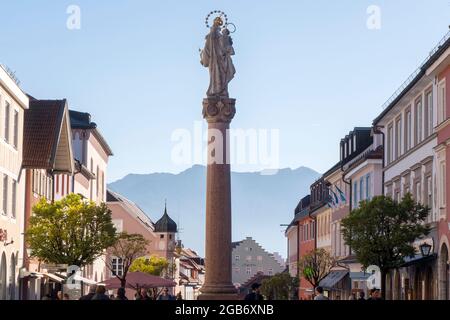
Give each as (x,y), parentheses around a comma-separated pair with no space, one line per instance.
(13,102)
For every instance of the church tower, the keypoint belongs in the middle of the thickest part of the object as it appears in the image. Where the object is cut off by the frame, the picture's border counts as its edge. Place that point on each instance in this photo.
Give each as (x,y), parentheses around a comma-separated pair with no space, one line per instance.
(165,229)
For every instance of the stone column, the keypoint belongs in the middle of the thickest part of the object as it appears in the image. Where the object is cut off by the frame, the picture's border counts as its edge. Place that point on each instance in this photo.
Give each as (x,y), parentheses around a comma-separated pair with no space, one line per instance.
(218,112)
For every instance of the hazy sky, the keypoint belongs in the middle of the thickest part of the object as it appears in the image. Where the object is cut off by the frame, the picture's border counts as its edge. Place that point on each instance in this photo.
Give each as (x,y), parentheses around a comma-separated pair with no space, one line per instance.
(311,69)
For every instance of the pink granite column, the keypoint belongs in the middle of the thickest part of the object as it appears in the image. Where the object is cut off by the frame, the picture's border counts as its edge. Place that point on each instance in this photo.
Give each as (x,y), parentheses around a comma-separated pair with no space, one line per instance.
(218,112)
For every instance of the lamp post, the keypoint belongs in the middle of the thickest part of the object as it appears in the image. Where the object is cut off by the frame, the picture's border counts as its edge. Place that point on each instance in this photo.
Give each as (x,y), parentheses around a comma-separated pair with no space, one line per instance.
(425,249)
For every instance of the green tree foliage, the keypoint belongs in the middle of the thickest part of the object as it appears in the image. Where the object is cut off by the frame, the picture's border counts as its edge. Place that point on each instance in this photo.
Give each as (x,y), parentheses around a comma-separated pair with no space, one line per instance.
(70,231)
(128,247)
(381,232)
(279,287)
(316,265)
(153,265)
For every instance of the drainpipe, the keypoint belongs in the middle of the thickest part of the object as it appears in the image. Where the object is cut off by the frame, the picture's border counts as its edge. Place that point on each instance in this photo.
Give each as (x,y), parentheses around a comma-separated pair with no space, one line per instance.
(377,130)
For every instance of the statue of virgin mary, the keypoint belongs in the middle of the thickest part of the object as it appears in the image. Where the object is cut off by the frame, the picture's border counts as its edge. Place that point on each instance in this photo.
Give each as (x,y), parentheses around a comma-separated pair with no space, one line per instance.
(216,56)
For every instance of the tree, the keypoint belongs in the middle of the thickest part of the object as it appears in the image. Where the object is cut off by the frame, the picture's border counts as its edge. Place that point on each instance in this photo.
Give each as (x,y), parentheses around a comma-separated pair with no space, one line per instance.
(279,286)
(127,248)
(381,232)
(70,231)
(153,265)
(316,265)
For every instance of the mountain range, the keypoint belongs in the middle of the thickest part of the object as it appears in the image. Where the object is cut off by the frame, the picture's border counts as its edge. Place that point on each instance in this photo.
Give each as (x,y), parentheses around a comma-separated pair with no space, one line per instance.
(260,202)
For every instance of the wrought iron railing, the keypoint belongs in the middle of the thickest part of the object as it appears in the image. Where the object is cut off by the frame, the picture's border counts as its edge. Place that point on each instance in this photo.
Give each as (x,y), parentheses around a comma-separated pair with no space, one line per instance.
(408,81)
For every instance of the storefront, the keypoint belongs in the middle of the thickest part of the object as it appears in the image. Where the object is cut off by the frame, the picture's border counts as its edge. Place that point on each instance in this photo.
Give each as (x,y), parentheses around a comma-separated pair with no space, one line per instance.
(337,285)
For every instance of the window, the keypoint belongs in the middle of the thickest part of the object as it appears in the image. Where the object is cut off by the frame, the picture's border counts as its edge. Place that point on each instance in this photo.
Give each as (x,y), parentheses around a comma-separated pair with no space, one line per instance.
(429,113)
(441,102)
(398,137)
(419,122)
(6,133)
(249,270)
(361,189)
(237,269)
(442,196)
(355,194)
(117,266)
(408,122)
(5,194)
(429,194)
(368,187)
(16,129)
(418,192)
(260,269)
(270,272)
(237,257)
(354,143)
(161,236)
(248,258)
(259,258)
(14,199)
(390,148)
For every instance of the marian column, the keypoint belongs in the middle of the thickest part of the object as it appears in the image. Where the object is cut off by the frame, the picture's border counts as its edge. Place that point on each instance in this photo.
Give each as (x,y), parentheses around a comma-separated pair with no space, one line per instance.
(218,110)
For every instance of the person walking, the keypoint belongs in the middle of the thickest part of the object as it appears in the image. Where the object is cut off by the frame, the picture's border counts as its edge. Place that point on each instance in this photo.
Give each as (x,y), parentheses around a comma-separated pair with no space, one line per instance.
(90,294)
(179,296)
(142,295)
(100,294)
(254,295)
(165,295)
(319,294)
(362,296)
(121,294)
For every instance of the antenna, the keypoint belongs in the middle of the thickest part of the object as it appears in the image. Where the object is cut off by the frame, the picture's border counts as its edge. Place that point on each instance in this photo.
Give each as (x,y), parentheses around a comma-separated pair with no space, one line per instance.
(12,74)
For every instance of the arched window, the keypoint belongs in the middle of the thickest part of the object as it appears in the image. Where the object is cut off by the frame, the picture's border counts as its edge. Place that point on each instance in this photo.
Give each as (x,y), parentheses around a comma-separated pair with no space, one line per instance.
(3,283)
(12,278)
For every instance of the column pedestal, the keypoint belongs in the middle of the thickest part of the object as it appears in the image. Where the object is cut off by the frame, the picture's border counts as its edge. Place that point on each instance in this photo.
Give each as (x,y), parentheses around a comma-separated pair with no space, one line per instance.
(218,285)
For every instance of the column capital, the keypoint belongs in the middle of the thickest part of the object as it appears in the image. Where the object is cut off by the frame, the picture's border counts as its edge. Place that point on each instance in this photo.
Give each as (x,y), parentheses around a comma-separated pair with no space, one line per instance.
(219,109)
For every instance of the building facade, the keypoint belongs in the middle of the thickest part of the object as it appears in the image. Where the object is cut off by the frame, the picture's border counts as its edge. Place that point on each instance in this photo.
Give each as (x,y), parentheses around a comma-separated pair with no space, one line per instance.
(47,152)
(13,103)
(249,258)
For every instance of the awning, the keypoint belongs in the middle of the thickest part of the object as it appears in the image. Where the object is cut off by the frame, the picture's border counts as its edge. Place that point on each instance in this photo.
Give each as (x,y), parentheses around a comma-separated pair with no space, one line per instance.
(333,278)
(418,259)
(84,280)
(139,280)
(359,275)
(53,277)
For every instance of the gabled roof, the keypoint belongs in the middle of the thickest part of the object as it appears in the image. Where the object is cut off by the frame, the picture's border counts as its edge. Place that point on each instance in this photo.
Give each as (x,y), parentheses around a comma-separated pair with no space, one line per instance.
(82,120)
(47,140)
(131,208)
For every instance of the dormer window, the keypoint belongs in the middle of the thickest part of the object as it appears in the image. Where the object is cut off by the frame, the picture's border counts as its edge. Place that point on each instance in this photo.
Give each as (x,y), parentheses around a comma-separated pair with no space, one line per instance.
(354,143)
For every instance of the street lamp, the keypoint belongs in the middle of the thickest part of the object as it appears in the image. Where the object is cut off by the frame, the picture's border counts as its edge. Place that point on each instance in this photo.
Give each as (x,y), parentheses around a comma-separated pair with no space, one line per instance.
(425,249)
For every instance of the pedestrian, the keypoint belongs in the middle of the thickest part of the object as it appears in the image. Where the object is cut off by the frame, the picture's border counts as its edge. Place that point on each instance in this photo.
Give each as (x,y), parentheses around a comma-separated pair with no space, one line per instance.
(319,294)
(362,296)
(59,295)
(121,294)
(165,295)
(142,295)
(254,295)
(100,294)
(47,297)
(179,296)
(352,296)
(375,294)
(90,294)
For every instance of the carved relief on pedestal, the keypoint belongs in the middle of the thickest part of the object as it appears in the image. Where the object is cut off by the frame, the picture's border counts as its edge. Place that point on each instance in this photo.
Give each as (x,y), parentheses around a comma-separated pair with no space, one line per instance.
(219,109)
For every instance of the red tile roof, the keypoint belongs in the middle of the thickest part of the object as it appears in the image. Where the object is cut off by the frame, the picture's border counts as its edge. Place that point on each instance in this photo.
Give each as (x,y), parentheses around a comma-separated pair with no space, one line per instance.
(42,126)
